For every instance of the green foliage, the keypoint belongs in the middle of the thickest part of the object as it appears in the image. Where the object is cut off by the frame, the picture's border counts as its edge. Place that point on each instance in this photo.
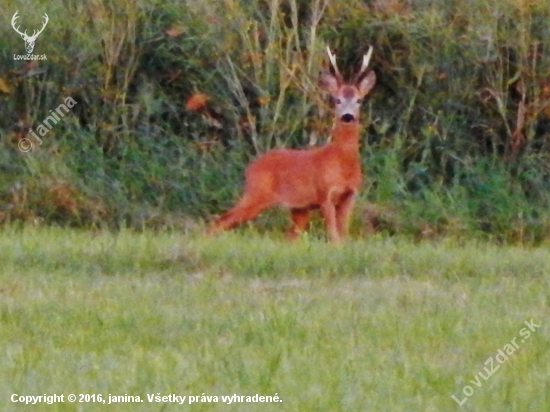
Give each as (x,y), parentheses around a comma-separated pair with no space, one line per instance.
(456,131)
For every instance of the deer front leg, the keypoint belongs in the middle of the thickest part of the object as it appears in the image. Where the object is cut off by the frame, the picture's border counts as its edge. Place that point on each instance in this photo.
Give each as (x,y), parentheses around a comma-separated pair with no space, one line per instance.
(343,213)
(329,214)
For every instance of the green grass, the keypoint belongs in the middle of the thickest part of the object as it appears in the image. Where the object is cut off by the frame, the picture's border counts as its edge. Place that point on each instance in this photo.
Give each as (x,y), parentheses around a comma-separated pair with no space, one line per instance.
(372,325)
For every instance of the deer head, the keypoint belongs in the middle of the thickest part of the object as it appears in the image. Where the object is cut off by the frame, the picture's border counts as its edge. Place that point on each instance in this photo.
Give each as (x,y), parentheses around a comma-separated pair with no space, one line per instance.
(29,40)
(348,96)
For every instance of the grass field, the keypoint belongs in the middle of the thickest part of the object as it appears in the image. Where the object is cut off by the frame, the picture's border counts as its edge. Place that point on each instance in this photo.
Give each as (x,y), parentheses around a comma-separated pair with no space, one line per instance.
(373,325)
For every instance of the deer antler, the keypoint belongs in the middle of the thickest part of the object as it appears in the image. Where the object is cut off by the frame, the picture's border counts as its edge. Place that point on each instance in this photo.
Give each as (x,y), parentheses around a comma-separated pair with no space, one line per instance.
(366,61)
(14,18)
(332,58)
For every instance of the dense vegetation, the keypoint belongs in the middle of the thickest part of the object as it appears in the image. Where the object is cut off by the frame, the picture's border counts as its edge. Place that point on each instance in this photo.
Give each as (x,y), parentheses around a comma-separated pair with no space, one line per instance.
(174,98)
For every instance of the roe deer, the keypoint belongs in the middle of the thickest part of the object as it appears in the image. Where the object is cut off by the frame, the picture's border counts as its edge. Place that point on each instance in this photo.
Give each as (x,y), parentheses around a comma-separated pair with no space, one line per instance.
(325,178)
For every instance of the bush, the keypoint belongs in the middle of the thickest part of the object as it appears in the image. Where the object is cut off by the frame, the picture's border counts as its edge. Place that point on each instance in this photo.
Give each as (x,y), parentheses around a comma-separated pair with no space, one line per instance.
(175,98)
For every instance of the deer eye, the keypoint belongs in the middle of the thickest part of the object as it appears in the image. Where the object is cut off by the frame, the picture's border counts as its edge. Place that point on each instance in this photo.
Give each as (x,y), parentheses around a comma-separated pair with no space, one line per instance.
(359,101)
(338,101)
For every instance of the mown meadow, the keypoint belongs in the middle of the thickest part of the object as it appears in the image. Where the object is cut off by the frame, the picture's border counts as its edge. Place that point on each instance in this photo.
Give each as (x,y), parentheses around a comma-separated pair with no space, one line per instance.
(378,325)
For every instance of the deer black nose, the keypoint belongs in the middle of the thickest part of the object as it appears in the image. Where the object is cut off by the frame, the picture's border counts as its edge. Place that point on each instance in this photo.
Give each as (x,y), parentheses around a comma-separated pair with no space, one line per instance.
(347,118)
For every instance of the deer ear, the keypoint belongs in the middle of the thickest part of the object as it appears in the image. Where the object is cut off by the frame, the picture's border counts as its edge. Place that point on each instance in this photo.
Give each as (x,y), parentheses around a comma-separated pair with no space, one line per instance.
(329,82)
(366,84)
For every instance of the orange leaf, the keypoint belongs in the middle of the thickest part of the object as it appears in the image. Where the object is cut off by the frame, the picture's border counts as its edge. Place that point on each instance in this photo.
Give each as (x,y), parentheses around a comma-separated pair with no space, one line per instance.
(173,32)
(197,101)
(4,87)
(255,58)
(262,101)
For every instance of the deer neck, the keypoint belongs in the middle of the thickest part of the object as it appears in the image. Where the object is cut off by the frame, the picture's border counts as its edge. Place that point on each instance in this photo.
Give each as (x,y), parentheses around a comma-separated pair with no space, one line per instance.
(346,135)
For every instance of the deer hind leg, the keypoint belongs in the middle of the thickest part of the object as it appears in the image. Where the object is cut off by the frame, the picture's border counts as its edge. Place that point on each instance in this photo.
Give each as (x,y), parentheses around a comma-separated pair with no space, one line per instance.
(299,217)
(343,213)
(246,209)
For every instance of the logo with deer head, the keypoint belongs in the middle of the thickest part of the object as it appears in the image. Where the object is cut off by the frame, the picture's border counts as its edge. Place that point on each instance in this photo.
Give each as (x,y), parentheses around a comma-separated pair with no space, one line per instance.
(29,40)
